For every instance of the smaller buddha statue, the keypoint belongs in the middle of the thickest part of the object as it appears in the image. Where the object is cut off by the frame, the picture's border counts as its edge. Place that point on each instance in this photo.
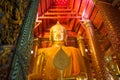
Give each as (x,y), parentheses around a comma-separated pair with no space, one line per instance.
(50,61)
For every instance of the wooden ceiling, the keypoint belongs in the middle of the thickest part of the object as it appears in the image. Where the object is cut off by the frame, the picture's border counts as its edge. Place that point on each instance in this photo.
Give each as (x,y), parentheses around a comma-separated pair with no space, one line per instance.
(68,12)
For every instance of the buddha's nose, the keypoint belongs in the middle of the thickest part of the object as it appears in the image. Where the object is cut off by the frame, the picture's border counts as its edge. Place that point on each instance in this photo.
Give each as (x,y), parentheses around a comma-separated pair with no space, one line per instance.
(58,36)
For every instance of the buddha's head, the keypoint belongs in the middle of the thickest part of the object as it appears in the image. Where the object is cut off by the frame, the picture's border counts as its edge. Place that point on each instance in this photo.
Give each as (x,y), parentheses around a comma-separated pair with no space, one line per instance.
(57,34)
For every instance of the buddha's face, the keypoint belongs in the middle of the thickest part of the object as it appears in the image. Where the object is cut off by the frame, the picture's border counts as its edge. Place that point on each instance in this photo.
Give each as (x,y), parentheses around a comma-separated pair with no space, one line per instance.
(58,34)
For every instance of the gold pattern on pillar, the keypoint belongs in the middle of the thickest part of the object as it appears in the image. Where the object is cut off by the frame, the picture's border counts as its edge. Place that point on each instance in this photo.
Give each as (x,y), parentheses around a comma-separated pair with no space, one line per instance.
(97,58)
(111,16)
(82,48)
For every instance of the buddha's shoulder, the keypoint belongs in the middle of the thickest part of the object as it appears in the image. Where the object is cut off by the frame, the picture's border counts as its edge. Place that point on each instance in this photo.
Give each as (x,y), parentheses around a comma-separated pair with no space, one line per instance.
(44,49)
(71,48)
(52,49)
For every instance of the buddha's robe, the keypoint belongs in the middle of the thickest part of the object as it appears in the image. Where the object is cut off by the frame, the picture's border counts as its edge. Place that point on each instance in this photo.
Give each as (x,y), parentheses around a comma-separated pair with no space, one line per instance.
(46,70)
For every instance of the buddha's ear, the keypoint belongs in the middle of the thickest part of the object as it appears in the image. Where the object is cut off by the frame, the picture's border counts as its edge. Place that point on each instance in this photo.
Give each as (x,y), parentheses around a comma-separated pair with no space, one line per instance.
(51,37)
(66,36)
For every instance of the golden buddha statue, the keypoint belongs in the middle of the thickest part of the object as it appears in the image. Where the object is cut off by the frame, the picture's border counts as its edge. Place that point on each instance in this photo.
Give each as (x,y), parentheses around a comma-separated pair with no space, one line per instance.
(50,61)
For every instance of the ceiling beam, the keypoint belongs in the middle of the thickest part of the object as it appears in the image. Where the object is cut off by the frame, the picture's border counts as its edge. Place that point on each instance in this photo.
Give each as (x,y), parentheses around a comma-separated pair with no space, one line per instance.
(60,10)
(59,7)
(58,17)
(57,13)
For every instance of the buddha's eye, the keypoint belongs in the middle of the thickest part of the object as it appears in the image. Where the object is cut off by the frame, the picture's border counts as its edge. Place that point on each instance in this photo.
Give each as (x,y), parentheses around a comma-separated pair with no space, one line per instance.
(54,31)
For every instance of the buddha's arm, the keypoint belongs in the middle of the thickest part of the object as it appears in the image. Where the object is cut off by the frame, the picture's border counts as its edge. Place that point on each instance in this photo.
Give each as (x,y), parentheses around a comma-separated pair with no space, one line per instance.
(40,58)
(81,61)
(77,61)
(37,67)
